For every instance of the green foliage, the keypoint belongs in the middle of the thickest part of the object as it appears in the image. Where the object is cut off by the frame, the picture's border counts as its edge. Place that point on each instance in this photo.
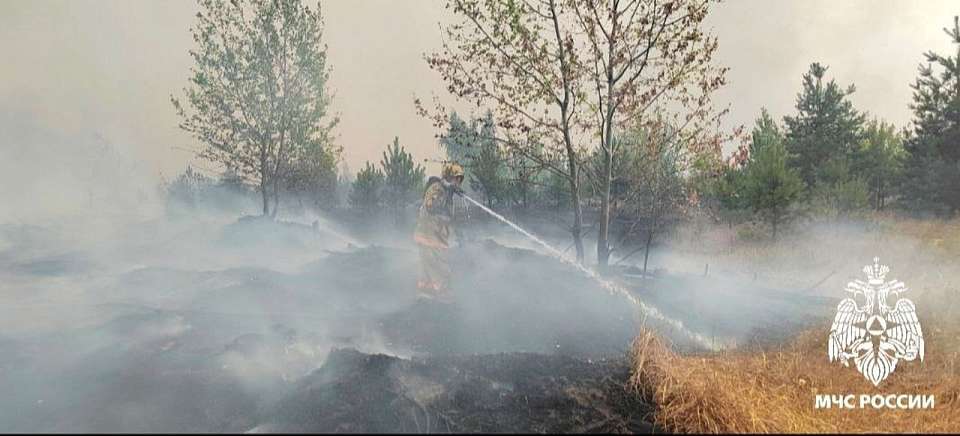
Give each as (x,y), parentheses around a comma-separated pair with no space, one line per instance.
(233,182)
(626,147)
(765,133)
(727,186)
(458,139)
(825,140)
(313,175)
(345,180)
(707,185)
(562,69)
(842,197)
(186,190)
(192,192)
(650,185)
(751,231)
(257,97)
(879,160)
(474,144)
(727,191)
(487,171)
(556,192)
(767,185)
(932,168)
(525,180)
(825,127)
(403,179)
(365,193)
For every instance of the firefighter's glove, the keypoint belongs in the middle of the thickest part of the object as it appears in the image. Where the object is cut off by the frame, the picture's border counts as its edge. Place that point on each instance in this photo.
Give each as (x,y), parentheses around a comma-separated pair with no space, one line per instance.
(452,187)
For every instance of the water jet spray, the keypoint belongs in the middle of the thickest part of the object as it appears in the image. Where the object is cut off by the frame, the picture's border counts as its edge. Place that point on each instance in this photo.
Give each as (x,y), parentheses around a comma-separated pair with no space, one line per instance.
(611,287)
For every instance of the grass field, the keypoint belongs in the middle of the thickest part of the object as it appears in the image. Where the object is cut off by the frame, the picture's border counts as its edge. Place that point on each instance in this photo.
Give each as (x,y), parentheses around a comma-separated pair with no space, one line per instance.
(773,389)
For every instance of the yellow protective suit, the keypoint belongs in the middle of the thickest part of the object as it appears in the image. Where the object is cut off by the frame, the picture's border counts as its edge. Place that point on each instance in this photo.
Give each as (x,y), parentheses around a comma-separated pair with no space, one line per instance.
(432,237)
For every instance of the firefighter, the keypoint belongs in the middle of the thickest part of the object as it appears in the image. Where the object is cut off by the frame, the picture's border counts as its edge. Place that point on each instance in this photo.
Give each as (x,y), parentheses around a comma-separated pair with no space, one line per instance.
(433,233)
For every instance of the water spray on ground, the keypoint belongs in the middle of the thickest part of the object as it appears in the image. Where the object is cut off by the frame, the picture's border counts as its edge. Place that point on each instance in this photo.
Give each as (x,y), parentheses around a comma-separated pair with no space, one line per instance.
(613,288)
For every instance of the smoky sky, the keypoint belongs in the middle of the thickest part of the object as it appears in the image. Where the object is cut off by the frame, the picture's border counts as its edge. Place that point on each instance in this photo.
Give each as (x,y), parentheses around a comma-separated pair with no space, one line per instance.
(106,69)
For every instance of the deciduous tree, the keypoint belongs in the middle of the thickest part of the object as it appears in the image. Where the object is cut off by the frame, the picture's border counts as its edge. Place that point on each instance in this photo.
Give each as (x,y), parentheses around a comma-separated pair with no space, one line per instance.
(646,60)
(518,59)
(257,97)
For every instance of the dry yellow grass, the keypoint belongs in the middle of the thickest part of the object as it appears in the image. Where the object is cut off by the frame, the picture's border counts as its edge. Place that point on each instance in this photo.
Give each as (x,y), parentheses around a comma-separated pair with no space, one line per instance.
(925,253)
(942,236)
(767,391)
(773,391)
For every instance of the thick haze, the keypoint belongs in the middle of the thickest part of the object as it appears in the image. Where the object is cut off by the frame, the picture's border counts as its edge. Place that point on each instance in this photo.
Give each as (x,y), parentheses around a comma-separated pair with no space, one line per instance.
(125,311)
(106,69)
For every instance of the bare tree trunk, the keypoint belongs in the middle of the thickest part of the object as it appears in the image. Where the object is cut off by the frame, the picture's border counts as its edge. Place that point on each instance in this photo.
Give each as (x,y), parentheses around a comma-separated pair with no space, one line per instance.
(646,251)
(883,199)
(276,201)
(266,201)
(572,164)
(876,195)
(264,182)
(277,173)
(880,194)
(276,191)
(574,191)
(577,228)
(776,219)
(603,237)
(276,194)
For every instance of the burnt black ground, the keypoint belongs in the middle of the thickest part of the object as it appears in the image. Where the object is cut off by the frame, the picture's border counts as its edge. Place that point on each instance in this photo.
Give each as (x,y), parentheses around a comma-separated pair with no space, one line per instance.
(516,300)
(508,392)
(529,346)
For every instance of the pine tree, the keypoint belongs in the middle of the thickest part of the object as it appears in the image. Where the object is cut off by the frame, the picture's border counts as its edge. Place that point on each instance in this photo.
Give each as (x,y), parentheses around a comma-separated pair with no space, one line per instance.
(366,190)
(840,191)
(403,179)
(458,139)
(766,132)
(879,159)
(525,179)
(826,126)
(487,172)
(769,186)
(932,173)
(727,192)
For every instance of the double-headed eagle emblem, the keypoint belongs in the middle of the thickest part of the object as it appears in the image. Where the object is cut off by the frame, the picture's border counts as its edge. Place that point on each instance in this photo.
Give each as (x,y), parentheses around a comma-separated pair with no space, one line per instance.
(875,335)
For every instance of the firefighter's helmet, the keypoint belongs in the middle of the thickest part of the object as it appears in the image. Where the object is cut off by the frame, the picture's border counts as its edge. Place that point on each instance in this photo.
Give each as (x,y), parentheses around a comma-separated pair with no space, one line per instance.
(451,170)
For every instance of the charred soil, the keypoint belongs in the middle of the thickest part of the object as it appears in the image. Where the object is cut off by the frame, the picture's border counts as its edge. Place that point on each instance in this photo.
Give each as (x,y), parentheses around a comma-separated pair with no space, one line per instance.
(508,392)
